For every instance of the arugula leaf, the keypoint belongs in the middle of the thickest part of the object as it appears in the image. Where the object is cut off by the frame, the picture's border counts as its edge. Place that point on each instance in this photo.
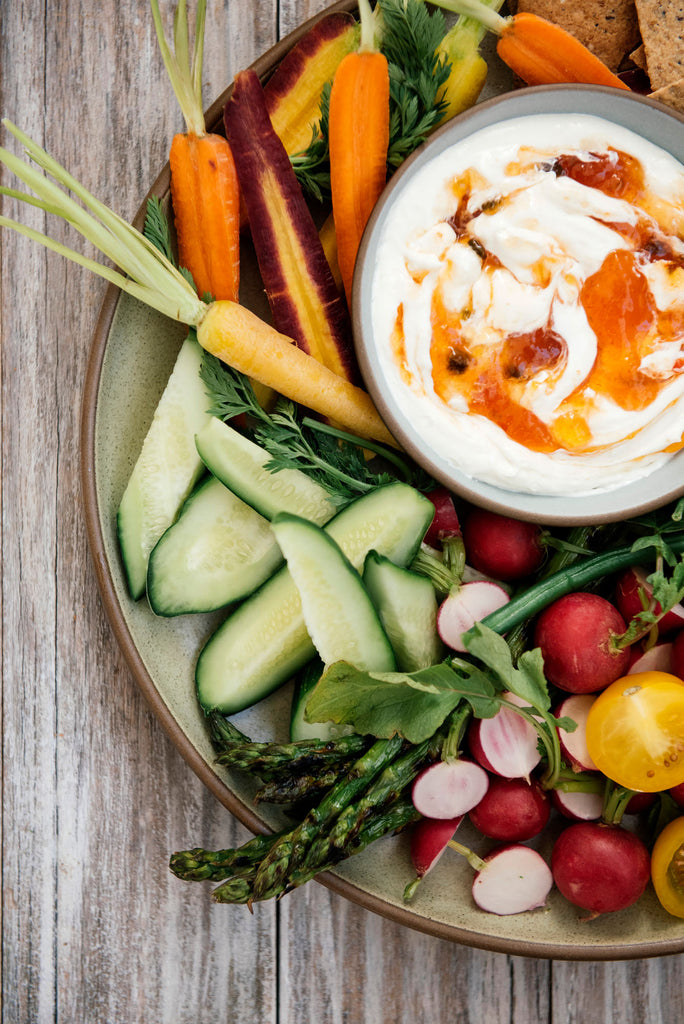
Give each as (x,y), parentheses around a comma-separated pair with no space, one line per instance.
(414,705)
(527,681)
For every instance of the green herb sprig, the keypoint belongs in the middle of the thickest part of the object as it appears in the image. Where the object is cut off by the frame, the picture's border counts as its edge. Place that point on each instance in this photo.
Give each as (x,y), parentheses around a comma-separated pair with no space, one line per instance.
(335,459)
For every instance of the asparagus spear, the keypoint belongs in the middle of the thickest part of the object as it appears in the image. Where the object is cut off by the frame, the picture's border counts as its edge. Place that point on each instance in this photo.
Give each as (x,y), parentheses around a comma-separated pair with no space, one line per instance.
(386,789)
(289,852)
(382,822)
(266,759)
(292,789)
(223,733)
(198,864)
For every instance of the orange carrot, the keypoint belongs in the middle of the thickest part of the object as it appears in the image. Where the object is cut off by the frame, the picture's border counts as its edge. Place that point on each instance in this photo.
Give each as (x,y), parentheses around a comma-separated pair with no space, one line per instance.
(204,185)
(358,137)
(538,51)
(542,53)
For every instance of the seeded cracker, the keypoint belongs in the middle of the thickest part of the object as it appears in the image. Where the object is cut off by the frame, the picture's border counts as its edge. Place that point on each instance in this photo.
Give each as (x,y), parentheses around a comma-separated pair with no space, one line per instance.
(672,94)
(662,30)
(608,28)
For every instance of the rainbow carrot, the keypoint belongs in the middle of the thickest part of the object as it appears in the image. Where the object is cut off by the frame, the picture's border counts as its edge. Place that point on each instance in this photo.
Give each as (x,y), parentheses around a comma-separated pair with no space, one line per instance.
(358,137)
(204,185)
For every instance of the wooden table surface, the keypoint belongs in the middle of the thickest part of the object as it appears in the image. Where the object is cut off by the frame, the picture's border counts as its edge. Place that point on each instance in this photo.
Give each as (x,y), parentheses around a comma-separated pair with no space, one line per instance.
(94,796)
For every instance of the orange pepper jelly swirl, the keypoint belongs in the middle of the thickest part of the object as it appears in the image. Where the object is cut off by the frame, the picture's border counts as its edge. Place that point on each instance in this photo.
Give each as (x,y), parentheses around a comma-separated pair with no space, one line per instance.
(626,313)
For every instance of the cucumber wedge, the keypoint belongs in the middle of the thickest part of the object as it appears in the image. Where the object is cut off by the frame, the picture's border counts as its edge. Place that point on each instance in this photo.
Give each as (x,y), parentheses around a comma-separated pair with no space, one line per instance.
(218,551)
(338,613)
(264,641)
(300,729)
(239,464)
(407,606)
(167,469)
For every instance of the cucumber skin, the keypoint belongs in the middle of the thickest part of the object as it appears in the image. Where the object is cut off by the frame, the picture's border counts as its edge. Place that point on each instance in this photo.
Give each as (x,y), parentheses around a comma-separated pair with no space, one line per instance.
(187,573)
(245,677)
(400,596)
(145,513)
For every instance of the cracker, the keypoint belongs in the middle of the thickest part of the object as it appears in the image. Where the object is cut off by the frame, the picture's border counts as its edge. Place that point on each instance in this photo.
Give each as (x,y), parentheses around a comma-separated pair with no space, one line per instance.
(672,94)
(638,56)
(662,30)
(608,28)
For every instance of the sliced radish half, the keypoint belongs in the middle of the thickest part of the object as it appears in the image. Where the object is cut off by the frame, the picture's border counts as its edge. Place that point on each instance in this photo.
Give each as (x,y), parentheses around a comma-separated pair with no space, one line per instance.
(578,806)
(466,606)
(448,789)
(513,880)
(574,744)
(505,744)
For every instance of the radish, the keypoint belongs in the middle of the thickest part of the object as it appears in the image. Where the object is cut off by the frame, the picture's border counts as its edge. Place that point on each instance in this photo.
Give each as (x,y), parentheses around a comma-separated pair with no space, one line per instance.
(656,659)
(633,593)
(429,840)
(577,804)
(447,789)
(511,809)
(512,879)
(465,606)
(505,744)
(499,546)
(677,794)
(677,655)
(445,521)
(574,744)
(600,868)
(640,802)
(574,634)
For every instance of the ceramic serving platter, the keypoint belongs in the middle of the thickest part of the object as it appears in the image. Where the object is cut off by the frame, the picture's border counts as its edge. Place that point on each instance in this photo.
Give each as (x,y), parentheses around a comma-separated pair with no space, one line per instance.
(132,354)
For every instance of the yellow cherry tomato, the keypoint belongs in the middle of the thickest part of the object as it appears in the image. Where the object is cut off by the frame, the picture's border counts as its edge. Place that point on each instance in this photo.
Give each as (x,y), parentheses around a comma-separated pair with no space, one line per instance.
(667,867)
(635,731)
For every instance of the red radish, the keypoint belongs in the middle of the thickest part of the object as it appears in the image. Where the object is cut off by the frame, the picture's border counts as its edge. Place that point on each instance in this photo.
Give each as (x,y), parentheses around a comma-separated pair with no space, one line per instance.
(633,593)
(678,655)
(505,744)
(464,607)
(513,879)
(577,805)
(656,659)
(574,744)
(499,546)
(445,522)
(600,868)
(640,802)
(429,840)
(574,634)
(677,794)
(448,789)
(511,809)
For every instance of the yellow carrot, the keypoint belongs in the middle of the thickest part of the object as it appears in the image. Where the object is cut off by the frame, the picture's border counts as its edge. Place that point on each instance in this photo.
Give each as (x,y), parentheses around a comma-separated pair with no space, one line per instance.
(242,340)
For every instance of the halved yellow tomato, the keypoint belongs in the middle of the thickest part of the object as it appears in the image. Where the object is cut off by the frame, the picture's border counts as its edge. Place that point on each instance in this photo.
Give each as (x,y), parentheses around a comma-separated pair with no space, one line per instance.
(635,731)
(667,867)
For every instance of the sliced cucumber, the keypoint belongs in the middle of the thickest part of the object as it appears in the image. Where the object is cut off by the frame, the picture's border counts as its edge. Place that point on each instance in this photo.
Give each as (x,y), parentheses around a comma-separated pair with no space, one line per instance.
(239,464)
(407,606)
(338,613)
(300,729)
(167,469)
(218,551)
(264,641)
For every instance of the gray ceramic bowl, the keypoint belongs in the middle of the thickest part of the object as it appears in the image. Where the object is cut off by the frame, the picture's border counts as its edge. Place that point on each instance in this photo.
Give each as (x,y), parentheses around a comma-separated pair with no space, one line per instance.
(645,117)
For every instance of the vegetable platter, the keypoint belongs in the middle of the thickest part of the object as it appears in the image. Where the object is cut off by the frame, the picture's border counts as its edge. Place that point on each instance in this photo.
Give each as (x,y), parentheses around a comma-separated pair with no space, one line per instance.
(132,356)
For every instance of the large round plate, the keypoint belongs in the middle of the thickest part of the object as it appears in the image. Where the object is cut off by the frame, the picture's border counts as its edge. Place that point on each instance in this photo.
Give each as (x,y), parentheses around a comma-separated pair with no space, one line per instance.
(132,355)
